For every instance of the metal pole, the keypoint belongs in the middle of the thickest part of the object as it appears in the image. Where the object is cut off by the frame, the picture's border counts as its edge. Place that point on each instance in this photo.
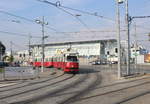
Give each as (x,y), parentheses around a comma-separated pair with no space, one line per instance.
(136,46)
(128,37)
(29,48)
(118,40)
(11,52)
(11,48)
(42,23)
(0,52)
(42,68)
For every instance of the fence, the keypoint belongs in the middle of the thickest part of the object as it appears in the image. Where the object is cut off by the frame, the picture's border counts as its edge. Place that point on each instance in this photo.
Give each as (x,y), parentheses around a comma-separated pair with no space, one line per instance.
(15,73)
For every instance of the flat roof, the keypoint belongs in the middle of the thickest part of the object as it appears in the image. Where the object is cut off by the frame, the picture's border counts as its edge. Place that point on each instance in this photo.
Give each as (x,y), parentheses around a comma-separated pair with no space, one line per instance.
(75,42)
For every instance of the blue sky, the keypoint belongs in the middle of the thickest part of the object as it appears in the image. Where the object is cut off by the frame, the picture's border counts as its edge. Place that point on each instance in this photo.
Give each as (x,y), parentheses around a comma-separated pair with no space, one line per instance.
(63,22)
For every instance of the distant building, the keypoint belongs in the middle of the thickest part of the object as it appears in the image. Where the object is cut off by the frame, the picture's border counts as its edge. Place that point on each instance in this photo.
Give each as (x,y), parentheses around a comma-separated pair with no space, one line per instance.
(2,51)
(138,53)
(21,57)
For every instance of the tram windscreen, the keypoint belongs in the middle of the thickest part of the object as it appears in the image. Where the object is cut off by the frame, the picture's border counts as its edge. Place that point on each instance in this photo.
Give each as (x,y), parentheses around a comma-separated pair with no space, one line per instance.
(72,58)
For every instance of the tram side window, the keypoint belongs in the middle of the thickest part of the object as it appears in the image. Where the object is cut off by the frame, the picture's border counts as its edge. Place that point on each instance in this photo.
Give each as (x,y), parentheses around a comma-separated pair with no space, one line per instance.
(72,58)
(35,60)
(61,59)
(46,59)
(58,59)
(39,59)
(55,59)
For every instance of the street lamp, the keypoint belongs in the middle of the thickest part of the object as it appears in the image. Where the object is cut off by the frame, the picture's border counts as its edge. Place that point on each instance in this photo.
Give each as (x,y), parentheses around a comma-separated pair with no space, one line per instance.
(127,33)
(42,23)
(118,36)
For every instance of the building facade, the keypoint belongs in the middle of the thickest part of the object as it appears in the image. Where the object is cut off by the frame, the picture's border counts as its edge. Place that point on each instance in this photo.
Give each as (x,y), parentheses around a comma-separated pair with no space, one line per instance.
(88,50)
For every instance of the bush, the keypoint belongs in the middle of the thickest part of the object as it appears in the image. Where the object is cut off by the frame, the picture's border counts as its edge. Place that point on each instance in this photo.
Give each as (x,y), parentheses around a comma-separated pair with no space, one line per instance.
(1,70)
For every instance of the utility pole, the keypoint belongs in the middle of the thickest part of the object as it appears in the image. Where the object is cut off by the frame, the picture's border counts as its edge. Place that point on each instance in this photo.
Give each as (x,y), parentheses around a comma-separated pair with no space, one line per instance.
(43,23)
(29,47)
(11,48)
(136,46)
(43,55)
(128,37)
(11,52)
(118,36)
(0,53)
(149,36)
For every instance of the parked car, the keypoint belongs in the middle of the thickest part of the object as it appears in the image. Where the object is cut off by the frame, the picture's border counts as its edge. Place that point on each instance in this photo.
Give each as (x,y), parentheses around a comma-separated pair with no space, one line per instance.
(98,62)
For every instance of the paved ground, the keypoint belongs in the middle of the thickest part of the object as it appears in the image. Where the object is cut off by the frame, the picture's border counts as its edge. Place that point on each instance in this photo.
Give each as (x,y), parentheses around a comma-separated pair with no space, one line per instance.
(113,91)
(93,85)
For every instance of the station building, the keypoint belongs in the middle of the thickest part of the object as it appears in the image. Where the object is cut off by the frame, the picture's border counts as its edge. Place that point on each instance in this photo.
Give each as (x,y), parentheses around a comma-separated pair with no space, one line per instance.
(88,50)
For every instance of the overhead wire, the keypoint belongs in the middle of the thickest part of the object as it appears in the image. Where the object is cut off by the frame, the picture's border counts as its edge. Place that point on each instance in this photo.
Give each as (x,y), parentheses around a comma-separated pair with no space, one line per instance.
(57,4)
(80,21)
(10,14)
(26,19)
(94,31)
(88,13)
(59,7)
(75,17)
(17,34)
(18,45)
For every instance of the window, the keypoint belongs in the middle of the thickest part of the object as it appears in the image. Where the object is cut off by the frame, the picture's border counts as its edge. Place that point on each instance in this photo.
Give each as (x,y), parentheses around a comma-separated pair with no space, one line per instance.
(20,55)
(35,60)
(107,52)
(116,50)
(72,58)
(24,55)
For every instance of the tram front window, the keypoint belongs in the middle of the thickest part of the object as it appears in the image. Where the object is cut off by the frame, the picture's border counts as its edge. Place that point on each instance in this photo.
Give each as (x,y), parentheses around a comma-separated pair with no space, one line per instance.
(72,58)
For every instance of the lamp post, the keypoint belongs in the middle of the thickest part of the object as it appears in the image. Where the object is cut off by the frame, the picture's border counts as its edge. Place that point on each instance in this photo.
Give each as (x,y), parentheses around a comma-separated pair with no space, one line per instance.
(42,23)
(118,36)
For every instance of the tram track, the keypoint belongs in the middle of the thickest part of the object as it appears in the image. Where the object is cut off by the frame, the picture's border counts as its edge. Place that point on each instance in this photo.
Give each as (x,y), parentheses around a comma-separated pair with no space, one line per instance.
(48,95)
(134,97)
(76,96)
(42,96)
(79,95)
(125,92)
(25,84)
(121,83)
(22,91)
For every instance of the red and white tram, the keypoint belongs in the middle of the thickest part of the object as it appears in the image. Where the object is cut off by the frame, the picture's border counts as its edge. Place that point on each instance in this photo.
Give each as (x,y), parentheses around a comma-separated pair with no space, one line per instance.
(67,61)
